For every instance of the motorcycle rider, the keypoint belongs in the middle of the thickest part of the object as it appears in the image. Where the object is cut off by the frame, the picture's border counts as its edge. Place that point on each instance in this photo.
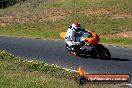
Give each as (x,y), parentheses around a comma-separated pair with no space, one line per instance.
(72,36)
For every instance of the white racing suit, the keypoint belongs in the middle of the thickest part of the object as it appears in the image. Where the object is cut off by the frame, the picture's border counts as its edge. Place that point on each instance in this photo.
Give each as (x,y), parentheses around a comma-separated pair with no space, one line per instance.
(74,38)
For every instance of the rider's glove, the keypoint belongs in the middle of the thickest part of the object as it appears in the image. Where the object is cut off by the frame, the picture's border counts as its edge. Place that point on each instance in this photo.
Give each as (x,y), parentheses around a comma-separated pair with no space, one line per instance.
(80,33)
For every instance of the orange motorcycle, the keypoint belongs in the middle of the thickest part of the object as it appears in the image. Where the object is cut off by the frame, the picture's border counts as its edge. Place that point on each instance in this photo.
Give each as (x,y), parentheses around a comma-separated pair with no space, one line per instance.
(91,47)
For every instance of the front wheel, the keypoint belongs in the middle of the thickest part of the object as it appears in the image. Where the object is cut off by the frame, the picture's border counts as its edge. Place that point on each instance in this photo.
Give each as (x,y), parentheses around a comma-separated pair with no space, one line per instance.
(73,50)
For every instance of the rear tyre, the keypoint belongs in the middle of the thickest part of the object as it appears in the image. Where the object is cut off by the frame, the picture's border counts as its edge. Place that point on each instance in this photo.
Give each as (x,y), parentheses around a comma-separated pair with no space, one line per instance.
(94,53)
(105,54)
(102,52)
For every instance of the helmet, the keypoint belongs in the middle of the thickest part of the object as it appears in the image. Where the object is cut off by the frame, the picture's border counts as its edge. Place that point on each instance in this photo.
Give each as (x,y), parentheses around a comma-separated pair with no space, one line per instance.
(76,25)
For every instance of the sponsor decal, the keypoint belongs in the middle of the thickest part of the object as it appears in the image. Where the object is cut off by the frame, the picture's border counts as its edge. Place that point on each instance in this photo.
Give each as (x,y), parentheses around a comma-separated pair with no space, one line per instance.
(84,78)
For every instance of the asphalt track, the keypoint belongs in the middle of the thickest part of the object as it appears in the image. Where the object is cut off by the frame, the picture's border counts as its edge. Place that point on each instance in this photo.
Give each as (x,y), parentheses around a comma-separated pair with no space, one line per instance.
(54,52)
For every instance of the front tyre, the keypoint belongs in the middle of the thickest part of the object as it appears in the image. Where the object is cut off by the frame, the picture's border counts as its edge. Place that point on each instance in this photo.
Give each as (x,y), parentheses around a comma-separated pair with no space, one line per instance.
(73,50)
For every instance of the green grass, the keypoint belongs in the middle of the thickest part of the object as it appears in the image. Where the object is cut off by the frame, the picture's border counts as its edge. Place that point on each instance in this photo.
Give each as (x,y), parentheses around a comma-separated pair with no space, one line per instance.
(42,30)
(123,42)
(15,72)
(103,23)
(115,4)
(25,79)
(117,40)
(52,29)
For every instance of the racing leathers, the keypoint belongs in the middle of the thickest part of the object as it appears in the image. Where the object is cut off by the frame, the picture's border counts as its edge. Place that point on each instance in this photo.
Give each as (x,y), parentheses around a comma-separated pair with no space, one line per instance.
(72,37)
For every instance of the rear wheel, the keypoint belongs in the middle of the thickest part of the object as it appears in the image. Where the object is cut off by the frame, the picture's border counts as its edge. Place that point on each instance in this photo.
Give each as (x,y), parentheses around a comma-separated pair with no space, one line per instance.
(102,52)
(94,53)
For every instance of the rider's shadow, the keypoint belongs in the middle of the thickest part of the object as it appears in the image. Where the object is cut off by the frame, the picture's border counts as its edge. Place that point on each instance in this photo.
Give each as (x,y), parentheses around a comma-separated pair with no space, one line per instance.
(115,59)
(119,59)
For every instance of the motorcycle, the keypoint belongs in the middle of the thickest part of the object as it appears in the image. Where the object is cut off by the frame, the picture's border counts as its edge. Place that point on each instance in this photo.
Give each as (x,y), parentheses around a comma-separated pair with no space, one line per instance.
(91,46)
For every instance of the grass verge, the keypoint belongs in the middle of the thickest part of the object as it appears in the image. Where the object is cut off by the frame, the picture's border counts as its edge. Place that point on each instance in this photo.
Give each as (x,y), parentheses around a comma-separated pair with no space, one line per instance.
(15,72)
(121,42)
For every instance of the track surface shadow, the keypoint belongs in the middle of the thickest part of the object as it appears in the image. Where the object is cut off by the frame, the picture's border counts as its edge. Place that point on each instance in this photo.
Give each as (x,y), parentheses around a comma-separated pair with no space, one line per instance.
(119,59)
(114,59)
